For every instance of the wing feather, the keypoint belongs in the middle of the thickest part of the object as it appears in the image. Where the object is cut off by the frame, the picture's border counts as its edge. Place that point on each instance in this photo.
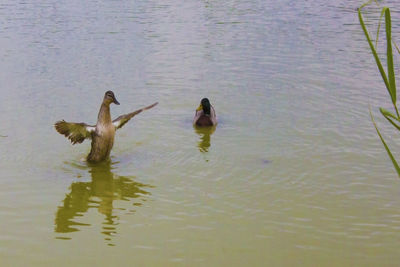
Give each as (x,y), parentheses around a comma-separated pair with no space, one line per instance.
(121,120)
(76,132)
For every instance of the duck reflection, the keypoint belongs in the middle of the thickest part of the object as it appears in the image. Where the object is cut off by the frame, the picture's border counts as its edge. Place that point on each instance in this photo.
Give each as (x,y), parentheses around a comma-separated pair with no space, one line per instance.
(205,137)
(103,189)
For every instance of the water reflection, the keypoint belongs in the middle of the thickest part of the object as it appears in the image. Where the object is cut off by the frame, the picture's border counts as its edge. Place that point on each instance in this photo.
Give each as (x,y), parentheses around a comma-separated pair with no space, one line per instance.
(104,188)
(205,137)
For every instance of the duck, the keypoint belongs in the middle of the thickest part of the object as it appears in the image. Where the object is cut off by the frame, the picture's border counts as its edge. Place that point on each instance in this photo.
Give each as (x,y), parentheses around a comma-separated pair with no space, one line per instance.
(205,115)
(102,134)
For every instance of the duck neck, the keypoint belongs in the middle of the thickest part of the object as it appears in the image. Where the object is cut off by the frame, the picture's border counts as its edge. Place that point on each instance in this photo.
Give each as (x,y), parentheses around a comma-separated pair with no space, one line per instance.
(206,110)
(104,116)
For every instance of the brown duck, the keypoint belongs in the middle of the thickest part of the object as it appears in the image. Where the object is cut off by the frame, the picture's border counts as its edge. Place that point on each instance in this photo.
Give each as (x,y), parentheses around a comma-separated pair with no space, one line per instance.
(102,134)
(205,114)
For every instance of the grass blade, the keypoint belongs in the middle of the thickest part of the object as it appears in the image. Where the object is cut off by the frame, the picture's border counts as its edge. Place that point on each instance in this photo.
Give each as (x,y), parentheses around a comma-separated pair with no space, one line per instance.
(396,166)
(368,3)
(374,53)
(388,114)
(379,27)
(389,52)
(391,121)
(390,80)
(395,45)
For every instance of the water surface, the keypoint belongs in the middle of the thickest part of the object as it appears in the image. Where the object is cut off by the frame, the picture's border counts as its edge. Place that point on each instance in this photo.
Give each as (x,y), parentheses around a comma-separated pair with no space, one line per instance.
(294,174)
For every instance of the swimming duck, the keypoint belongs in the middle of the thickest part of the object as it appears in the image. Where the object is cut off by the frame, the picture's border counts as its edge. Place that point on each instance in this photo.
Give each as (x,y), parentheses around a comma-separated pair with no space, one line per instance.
(205,114)
(102,134)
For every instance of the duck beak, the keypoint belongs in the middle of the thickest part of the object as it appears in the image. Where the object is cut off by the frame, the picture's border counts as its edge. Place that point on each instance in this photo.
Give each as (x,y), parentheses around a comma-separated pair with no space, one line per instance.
(116,101)
(199,108)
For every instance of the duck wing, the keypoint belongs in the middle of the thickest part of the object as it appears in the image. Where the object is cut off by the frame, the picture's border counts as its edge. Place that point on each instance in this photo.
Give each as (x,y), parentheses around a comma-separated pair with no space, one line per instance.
(121,120)
(76,132)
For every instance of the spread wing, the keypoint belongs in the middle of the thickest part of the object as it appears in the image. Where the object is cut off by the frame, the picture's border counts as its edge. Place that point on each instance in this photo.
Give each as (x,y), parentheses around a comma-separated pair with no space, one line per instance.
(76,132)
(121,120)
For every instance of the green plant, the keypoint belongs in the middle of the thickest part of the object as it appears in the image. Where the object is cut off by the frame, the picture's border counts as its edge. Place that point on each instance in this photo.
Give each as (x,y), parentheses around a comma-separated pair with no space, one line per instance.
(389,79)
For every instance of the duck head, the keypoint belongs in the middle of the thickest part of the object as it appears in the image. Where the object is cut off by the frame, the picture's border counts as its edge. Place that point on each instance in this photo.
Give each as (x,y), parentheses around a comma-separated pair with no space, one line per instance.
(205,106)
(109,98)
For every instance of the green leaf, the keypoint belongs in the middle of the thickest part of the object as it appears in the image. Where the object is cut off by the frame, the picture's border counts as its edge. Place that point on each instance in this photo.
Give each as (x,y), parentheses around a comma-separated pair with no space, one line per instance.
(389,52)
(396,166)
(369,2)
(379,27)
(374,53)
(389,114)
(395,45)
(389,118)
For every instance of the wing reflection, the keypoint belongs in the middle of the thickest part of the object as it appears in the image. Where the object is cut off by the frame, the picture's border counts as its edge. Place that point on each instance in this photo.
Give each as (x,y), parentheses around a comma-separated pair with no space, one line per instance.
(104,188)
(205,137)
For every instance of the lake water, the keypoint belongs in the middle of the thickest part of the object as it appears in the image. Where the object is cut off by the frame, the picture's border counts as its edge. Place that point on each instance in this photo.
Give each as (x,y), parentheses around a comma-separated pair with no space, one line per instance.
(294,174)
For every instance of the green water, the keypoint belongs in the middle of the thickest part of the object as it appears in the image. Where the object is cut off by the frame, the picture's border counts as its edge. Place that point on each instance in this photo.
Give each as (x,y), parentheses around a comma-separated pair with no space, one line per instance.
(293,175)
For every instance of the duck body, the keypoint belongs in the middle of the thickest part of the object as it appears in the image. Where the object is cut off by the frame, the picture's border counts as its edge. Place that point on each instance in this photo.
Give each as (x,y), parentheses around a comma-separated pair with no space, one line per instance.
(203,120)
(102,137)
(102,134)
(205,115)
(102,143)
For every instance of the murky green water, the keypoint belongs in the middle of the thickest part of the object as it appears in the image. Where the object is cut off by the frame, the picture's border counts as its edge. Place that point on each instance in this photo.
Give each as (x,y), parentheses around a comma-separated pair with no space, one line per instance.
(294,174)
